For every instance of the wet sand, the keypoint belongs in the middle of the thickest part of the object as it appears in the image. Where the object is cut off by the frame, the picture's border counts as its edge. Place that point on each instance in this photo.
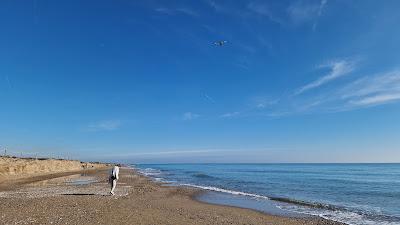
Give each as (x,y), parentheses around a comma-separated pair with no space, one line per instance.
(71,198)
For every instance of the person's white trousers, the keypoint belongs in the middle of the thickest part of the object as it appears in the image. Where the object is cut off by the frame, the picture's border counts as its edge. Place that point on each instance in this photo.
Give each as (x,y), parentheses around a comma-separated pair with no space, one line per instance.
(113,185)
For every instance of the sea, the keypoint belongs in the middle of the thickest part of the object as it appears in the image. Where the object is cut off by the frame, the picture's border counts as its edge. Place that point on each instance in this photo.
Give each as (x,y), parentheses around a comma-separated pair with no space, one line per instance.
(359,194)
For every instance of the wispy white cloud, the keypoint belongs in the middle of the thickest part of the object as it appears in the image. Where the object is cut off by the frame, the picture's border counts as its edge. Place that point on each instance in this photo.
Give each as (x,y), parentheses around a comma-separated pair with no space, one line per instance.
(187,11)
(106,125)
(260,102)
(230,115)
(229,9)
(216,6)
(373,90)
(337,69)
(361,92)
(177,10)
(172,152)
(190,116)
(208,98)
(164,10)
(377,99)
(301,11)
(304,11)
(364,92)
(321,8)
(8,81)
(297,12)
(262,9)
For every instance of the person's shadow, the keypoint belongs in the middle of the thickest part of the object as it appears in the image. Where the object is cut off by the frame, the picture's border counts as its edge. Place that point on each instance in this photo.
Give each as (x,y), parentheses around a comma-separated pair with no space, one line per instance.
(78,194)
(84,194)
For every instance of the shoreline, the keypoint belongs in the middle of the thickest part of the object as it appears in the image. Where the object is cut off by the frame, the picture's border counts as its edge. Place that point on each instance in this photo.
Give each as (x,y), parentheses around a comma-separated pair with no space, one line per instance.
(138,200)
(199,191)
(338,193)
(278,212)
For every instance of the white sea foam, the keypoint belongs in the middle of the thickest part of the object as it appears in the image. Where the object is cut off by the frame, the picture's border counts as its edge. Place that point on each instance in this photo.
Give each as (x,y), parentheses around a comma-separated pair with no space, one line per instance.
(208,188)
(347,217)
(150,172)
(344,216)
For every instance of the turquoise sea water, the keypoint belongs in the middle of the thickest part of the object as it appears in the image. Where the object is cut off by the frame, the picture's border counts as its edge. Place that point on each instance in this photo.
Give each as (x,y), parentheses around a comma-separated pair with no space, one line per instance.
(351,193)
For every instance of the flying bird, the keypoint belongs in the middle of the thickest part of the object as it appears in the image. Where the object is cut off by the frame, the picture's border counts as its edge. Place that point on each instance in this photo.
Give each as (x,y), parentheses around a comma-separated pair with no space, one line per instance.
(220,43)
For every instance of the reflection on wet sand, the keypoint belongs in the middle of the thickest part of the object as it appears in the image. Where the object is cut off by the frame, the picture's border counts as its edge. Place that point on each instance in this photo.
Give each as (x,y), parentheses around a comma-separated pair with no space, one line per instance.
(76,179)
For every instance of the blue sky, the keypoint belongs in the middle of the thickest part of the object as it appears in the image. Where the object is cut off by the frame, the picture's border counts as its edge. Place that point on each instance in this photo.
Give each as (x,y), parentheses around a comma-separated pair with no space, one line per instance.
(142,81)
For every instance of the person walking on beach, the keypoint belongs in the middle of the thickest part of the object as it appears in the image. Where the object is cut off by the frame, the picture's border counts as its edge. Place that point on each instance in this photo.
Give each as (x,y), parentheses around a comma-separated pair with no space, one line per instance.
(114,176)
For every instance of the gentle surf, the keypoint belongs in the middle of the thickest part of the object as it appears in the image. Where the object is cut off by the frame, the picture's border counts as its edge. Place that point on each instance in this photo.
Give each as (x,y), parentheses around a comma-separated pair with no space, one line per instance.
(359,194)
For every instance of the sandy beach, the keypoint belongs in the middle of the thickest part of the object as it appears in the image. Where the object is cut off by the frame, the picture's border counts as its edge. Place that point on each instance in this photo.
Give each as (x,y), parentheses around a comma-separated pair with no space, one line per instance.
(82,198)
